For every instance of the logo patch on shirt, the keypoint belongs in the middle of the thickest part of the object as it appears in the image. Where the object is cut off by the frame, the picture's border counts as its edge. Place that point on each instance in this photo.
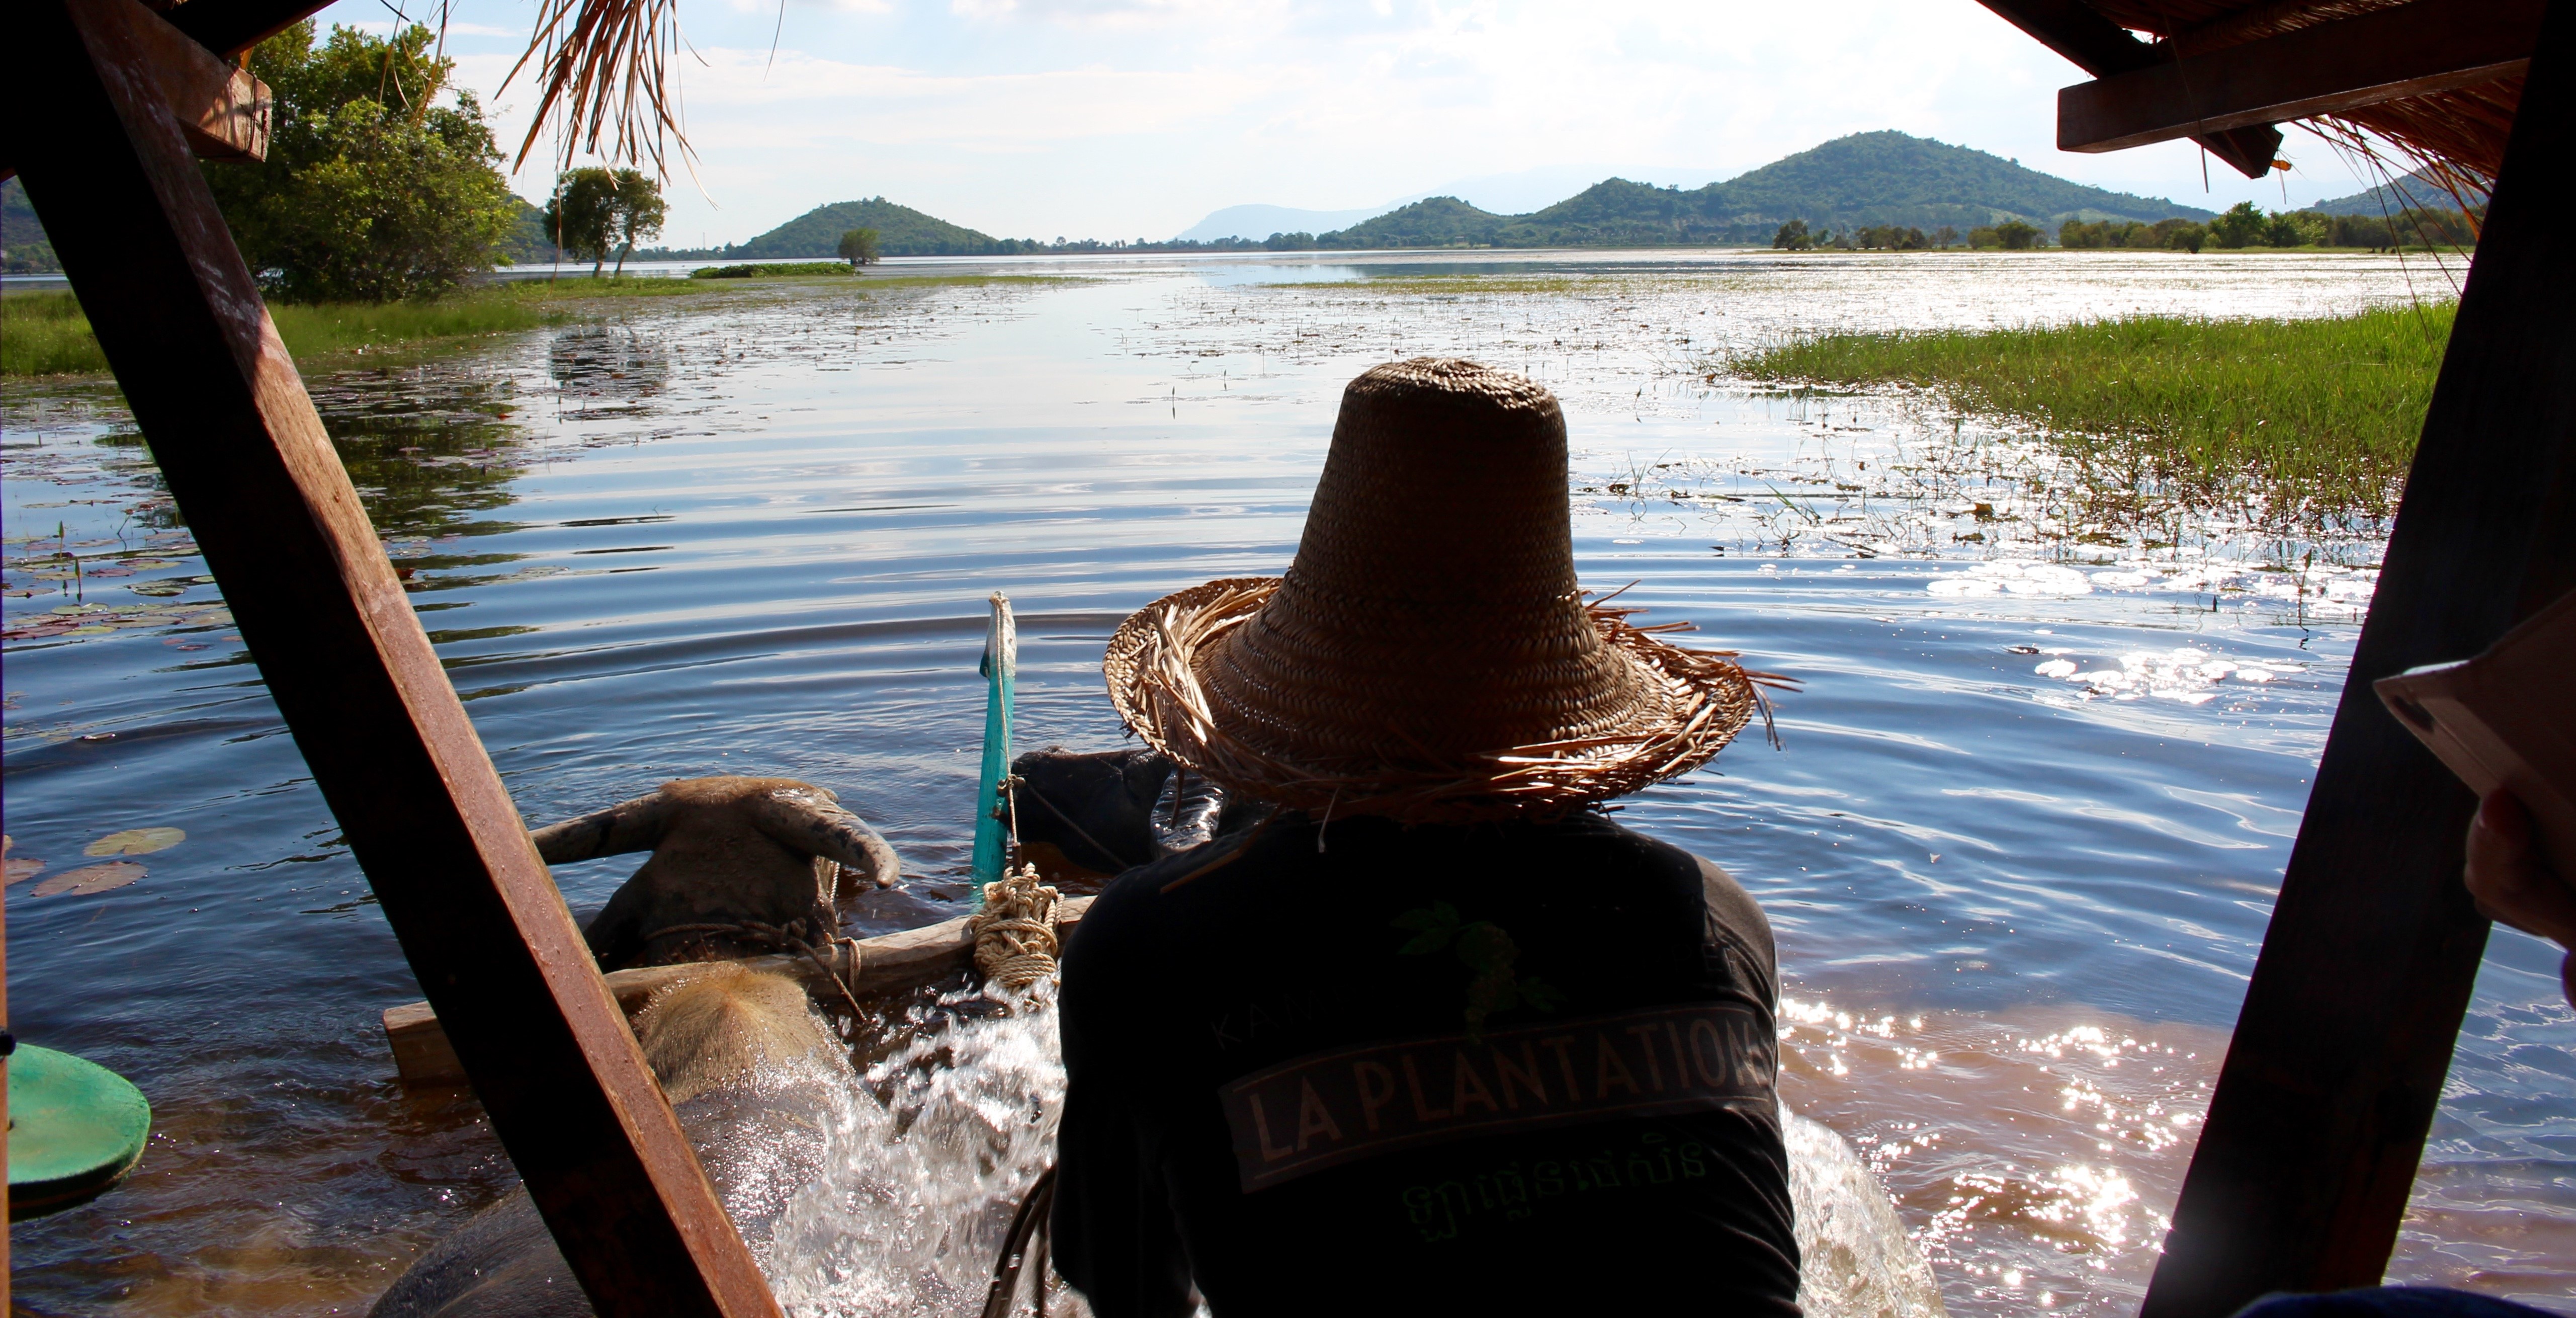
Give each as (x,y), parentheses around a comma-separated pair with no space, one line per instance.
(1331,1108)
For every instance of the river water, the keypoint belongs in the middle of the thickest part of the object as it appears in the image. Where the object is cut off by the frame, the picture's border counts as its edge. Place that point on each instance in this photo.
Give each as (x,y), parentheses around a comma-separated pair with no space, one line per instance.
(2019,845)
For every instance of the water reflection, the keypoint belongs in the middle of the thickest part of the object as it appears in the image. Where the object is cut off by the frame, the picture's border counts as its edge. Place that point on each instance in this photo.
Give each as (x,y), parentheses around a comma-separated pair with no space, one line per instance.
(606,371)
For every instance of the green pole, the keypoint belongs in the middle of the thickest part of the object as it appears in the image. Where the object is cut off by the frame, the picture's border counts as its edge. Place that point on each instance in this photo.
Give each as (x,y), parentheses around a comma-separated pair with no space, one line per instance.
(1001,670)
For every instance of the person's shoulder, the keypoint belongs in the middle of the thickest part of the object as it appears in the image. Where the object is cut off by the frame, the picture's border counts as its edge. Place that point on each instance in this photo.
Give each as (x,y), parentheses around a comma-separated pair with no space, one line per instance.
(1128,909)
(1732,914)
(1179,899)
(1686,871)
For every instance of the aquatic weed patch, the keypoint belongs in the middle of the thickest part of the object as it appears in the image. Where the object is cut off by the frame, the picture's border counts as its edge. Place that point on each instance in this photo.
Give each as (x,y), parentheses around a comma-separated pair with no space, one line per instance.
(1477,285)
(974,281)
(777,270)
(2314,419)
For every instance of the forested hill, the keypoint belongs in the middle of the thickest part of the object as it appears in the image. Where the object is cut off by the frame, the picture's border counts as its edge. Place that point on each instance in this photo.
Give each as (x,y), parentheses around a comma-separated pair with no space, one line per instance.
(901,231)
(1864,179)
(22,237)
(2405,192)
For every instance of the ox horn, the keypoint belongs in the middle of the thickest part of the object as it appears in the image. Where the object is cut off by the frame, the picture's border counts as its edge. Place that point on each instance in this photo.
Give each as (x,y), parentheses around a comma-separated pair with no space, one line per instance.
(808,820)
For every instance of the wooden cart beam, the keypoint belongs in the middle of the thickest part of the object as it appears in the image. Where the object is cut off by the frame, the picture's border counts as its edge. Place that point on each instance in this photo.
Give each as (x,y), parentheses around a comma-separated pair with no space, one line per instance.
(221,110)
(2427,46)
(246,459)
(2103,48)
(2331,1081)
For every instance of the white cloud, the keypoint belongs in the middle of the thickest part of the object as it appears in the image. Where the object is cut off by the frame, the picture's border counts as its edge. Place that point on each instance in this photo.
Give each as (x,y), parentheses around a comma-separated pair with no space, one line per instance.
(1129,117)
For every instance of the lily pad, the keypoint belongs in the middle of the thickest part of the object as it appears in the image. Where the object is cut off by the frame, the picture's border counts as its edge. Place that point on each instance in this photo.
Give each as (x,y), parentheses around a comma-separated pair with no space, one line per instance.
(18,867)
(136,842)
(91,879)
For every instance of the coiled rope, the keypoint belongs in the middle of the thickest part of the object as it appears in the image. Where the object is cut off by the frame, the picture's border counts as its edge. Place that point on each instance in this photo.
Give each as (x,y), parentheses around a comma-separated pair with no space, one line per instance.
(1015,938)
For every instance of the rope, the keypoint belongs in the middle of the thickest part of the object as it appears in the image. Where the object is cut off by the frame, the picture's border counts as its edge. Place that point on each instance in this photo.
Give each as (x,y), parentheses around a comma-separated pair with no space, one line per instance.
(1024,1248)
(790,936)
(1015,939)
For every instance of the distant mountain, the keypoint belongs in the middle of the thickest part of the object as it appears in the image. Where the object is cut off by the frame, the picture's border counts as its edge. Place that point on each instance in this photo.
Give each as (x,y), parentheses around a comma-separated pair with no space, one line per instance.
(901,231)
(22,236)
(1864,179)
(2408,192)
(1263,221)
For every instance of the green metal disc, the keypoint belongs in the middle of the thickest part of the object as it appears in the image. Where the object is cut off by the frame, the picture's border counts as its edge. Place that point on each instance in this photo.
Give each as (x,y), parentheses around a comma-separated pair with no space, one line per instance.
(75,1129)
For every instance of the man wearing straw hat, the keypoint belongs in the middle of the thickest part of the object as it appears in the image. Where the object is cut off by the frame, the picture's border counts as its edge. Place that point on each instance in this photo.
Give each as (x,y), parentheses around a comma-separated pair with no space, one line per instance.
(1436,1036)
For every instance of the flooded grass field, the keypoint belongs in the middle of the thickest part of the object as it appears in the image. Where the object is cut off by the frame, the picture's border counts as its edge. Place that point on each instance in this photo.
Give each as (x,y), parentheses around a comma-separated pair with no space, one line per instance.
(2050,750)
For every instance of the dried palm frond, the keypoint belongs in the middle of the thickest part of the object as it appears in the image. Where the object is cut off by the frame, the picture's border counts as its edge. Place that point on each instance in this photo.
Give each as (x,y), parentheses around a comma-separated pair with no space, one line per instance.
(605,66)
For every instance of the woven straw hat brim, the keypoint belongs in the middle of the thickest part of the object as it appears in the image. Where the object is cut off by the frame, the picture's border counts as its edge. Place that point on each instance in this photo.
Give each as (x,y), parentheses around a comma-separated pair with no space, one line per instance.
(1699,700)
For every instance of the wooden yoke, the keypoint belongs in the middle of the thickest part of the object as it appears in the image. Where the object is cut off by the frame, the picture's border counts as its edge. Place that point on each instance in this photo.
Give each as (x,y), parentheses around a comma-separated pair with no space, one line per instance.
(246,458)
(2330,1085)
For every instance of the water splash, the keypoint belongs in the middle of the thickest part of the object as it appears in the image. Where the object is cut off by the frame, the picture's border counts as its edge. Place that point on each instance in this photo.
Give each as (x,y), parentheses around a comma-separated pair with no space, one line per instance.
(922,1169)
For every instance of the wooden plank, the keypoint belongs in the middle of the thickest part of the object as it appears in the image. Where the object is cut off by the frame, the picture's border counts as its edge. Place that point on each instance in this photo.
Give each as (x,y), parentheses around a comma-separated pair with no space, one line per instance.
(2311,1144)
(222,111)
(887,964)
(2103,48)
(2329,68)
(246,459)
(4,1107)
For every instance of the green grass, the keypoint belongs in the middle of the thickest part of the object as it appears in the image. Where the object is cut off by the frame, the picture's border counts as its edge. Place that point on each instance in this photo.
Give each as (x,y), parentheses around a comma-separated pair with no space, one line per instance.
(45,333)
(2318,416)
(335,328)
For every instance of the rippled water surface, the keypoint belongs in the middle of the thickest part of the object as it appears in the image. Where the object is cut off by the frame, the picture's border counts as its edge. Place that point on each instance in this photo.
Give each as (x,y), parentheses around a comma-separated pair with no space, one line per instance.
(2019,848)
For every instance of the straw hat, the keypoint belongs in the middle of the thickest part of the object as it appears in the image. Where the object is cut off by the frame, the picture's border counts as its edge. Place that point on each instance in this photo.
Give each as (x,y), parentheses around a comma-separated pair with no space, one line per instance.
(1428,656)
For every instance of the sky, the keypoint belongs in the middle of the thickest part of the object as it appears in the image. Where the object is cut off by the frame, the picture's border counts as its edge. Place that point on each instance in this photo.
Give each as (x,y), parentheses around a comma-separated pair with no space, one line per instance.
(1135,118)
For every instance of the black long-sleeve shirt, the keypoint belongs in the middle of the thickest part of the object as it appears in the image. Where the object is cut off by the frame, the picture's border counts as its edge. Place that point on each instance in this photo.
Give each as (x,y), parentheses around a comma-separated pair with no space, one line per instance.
(1507,1068)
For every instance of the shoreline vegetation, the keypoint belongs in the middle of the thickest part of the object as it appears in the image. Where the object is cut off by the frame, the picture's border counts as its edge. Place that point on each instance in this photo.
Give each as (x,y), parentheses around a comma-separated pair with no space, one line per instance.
(44,333)
(2305,423)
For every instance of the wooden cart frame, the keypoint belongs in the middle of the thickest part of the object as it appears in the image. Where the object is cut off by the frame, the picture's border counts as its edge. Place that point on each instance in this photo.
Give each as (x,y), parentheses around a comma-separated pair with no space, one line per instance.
(2313,1137)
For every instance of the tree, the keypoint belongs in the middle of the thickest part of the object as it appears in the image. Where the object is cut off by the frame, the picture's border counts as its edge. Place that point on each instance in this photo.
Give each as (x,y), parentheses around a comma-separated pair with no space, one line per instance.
(1944,236)
(581,216)
(1793,237)
(2241,226)
(2295,229)
(640,212)
(859,247)
(596,211)
(372,191)
(2016,235)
